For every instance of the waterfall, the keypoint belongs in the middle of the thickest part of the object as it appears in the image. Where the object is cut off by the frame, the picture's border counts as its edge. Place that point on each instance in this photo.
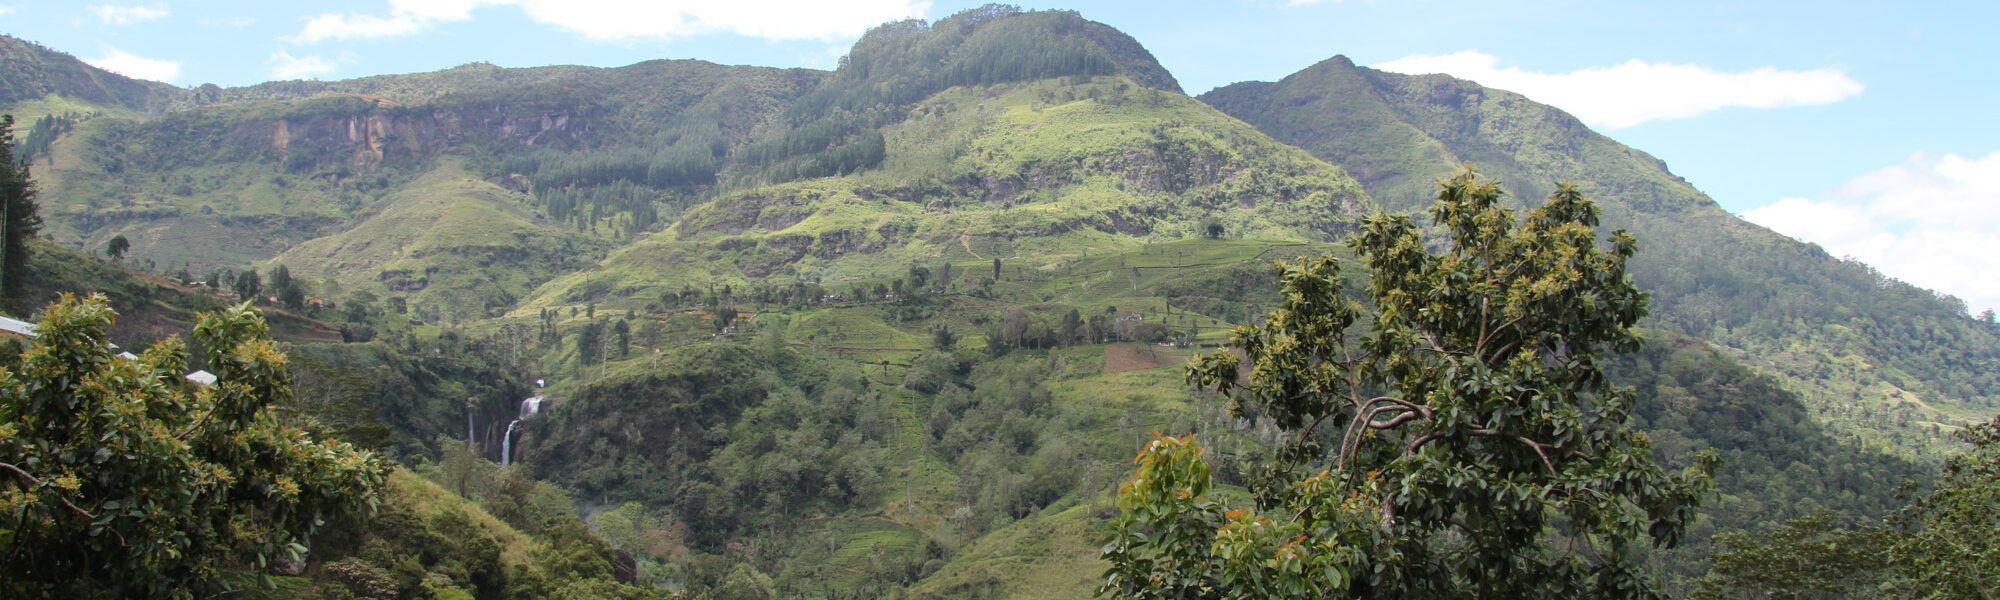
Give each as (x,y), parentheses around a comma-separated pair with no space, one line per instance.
(507,443)
(529,406)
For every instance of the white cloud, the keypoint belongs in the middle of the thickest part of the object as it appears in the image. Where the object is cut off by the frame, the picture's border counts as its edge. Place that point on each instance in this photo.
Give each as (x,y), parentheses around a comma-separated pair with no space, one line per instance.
(610,20)
(346,27)
(1636,91)
(127,15)
(1931,221)
(285,66)
(237,22)
(136,67)
(6,10)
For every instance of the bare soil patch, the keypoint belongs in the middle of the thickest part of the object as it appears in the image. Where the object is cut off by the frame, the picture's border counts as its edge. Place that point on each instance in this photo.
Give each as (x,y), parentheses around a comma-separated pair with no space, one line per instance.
(1119,358)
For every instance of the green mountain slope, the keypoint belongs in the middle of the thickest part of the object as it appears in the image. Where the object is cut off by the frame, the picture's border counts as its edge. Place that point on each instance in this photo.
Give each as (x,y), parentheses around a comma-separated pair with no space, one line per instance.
(149,307)
(897,328)
(35,80)
(447,244)
(1883,359)
(232,183)
(1037,174)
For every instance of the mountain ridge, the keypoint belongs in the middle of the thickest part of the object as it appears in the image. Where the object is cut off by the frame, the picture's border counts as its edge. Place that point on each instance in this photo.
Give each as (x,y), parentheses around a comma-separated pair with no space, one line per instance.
(1711,274)
(32,72)
(898,326)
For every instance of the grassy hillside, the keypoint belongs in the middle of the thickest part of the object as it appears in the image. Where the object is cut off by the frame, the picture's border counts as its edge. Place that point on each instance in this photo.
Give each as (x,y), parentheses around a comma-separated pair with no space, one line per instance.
(447,245)
(35,80)
(1035,175)
(1880,359)
(149,307)
(232,183)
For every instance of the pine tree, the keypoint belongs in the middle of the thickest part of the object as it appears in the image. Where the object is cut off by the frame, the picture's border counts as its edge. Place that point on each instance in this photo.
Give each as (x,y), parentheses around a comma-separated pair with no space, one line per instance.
(19,219)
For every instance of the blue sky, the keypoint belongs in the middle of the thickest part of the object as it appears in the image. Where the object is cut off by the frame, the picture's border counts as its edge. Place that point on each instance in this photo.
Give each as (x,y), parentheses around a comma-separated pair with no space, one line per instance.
(1864,127)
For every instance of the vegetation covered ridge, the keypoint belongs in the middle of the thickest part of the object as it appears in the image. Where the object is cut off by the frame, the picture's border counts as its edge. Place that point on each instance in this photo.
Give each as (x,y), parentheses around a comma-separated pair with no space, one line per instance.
(1894,366)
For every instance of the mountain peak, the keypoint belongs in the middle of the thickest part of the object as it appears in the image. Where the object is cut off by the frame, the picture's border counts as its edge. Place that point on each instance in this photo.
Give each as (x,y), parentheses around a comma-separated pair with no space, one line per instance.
(995,44)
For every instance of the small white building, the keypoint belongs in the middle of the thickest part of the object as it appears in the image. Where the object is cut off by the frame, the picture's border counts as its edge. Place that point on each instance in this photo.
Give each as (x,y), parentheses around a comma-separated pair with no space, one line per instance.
(17,327)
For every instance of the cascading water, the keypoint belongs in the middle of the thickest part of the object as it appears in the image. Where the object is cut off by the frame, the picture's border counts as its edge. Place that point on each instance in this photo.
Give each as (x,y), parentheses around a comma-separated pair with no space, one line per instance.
(529,406)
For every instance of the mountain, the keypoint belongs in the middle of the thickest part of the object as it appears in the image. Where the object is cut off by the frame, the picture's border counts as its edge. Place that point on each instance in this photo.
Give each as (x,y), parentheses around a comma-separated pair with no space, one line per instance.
(896,328)
(1037,174)
(1877,357)
(35,79)
(457,244)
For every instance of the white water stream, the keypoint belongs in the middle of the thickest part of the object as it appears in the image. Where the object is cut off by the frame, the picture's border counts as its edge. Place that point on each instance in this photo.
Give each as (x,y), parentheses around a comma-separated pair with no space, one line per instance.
(529,406)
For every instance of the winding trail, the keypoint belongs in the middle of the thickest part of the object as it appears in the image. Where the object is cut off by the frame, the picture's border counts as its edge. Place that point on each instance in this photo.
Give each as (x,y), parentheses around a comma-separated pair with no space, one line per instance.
(965,239)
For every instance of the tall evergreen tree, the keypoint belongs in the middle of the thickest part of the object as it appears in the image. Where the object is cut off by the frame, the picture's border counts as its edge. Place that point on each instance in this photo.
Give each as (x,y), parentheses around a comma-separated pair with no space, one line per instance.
(281,278)
(19,220)
(247,286)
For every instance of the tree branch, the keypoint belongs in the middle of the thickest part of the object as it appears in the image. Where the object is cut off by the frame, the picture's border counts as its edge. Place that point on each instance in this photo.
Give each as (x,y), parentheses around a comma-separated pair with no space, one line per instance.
(1350,441)
(1406,417)
(1418,443)
(1537,446)
(1480,346)
(197,424)
(59,498)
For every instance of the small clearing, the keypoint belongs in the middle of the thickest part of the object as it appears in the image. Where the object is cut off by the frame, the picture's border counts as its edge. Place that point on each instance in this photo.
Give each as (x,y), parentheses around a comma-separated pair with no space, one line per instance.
(1119,358)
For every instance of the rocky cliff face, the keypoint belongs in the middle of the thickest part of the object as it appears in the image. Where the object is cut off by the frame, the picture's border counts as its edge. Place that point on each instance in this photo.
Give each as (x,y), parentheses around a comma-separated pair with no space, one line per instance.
(365,140)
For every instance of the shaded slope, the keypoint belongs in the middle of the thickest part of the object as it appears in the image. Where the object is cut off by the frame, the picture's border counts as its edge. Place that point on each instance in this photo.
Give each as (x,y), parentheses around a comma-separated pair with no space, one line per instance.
(1859,344)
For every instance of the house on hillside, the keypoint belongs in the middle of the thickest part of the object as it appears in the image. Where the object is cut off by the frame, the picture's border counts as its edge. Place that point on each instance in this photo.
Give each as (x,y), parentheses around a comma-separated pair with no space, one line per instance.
(17,327)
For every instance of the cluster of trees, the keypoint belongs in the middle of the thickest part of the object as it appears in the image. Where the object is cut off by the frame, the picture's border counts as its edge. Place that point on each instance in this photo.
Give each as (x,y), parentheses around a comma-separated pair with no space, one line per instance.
(733,437)
(1832,304)
(857,151)
(913,288)
(399,393)
(633,181)
(43,133)
(1014,449)
(1779,463)
(1019,328)
(1944,544)
(1471,442)
(805,140)
(1464,442)
(435,549)
(605,339)
(121,478)
(903,62)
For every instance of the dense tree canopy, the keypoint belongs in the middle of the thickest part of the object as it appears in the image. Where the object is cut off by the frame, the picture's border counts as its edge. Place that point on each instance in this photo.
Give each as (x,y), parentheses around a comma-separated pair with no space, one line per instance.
(120,478)
(1949,545)
(1466,444)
